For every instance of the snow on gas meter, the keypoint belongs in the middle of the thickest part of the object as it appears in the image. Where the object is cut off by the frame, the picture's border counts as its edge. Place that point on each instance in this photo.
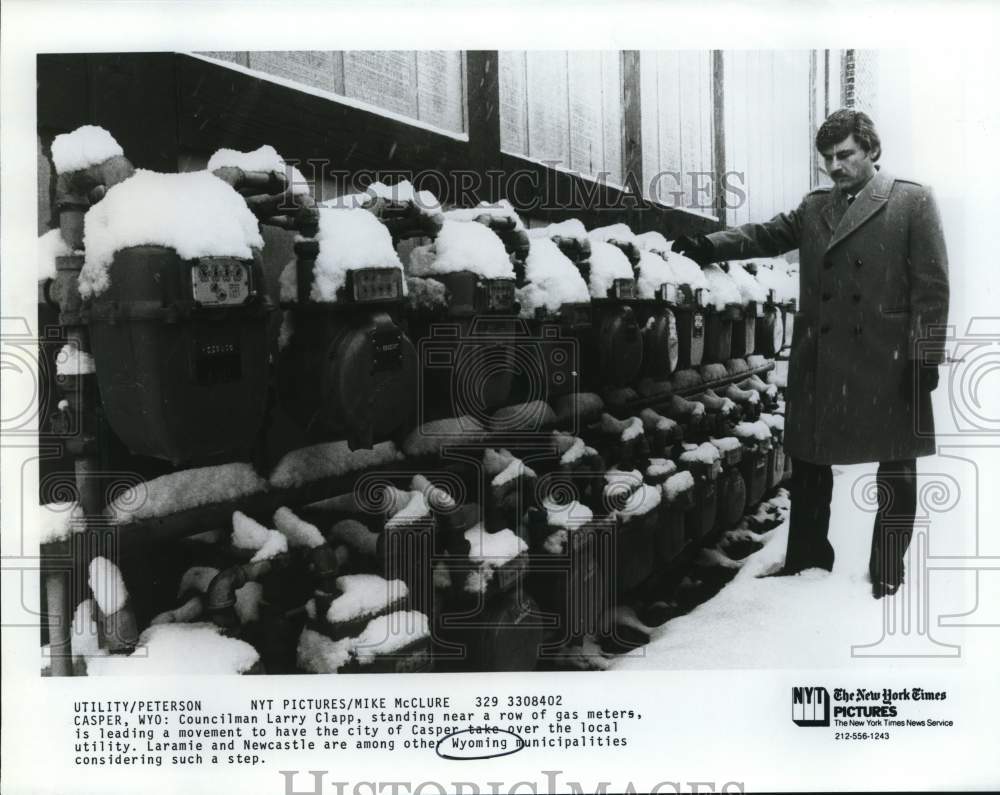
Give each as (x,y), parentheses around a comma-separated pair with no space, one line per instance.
(346,369)
(172,294)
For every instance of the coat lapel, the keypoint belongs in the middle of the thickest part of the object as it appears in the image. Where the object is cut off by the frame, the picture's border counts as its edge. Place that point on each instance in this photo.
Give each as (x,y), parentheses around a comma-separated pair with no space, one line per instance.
(834,210)
(871,199)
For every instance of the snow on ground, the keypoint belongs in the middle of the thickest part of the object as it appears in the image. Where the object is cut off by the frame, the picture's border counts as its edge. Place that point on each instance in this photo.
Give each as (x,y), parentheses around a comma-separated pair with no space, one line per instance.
(50,246)
(194,213)
(264,159)
(86,146)
(808,620)
(175,649)
(317,654)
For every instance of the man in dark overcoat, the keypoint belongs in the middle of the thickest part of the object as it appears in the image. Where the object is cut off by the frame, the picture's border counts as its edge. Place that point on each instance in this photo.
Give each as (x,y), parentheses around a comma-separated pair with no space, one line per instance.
(867,340)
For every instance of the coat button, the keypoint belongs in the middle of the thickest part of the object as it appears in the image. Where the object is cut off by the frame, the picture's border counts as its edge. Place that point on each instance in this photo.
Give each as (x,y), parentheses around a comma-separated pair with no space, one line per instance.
(858,263)
(827,296)
(824,328)
(857,329)
(856,297)
(828,263)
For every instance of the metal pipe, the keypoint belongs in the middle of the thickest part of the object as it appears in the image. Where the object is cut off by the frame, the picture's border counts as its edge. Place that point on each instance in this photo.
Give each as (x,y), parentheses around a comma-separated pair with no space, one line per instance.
(58,614)
(220,598)
(324,566)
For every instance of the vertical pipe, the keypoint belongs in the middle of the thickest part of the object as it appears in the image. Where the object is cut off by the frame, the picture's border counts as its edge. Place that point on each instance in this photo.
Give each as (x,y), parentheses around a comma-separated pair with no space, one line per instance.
(58,616)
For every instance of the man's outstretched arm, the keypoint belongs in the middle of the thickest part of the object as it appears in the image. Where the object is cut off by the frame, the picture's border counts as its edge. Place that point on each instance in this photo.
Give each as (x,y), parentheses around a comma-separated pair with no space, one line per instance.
(767,239)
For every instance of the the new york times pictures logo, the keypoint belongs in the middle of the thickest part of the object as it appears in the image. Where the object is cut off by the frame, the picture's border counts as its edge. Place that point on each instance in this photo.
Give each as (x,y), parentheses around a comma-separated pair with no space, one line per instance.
(810,706)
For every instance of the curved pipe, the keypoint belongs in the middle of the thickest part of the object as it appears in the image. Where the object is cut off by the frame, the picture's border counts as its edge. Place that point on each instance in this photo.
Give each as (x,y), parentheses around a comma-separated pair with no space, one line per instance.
(190,611)
(220,598)
(119,631)
(324,566)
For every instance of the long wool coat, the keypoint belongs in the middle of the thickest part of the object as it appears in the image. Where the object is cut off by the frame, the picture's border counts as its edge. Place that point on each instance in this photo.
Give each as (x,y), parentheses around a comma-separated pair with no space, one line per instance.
(873,282)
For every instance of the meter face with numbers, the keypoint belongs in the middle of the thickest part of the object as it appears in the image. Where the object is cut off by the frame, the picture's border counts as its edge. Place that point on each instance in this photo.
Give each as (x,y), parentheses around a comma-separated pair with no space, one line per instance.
(219,281)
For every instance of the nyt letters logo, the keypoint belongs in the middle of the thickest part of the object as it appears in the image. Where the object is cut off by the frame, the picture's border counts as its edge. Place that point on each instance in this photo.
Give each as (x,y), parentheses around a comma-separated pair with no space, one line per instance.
(810,706)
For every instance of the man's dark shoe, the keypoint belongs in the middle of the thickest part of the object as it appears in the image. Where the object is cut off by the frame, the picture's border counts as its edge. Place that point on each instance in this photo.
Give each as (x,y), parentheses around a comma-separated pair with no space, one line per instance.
(881,588)
(784,571)
(791,571)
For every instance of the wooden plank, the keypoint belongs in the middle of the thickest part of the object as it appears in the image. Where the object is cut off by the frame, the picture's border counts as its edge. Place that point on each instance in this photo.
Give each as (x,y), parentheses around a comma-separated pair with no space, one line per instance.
(719,164)
(483,92)
(631,126)
(223,107)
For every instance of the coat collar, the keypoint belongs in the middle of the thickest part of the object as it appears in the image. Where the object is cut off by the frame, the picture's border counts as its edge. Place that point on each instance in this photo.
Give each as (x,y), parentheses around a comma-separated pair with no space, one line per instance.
(844,219)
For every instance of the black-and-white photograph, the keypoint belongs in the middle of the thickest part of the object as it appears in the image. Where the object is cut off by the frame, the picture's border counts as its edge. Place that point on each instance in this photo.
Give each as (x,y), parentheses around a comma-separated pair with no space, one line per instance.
(660,361)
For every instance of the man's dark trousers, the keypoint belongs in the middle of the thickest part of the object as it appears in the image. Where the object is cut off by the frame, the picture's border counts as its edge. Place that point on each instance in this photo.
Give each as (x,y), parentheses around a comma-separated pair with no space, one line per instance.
(811,492)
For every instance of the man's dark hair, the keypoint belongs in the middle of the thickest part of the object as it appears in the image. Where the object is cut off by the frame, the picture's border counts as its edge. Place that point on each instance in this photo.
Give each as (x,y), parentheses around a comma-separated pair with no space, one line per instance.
(844,122)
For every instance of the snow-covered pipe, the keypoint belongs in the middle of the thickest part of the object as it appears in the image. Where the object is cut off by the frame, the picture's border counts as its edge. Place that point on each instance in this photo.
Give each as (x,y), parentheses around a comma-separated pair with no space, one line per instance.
(87,161)
(116,624)
(270,197)
(189,611)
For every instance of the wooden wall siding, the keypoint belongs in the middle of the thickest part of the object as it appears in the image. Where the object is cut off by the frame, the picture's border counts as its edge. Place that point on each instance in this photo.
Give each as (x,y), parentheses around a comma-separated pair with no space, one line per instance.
(222,107)
(767,130)
(166,108)
(565,107)
(402,81)
(677,128)
(632,125)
